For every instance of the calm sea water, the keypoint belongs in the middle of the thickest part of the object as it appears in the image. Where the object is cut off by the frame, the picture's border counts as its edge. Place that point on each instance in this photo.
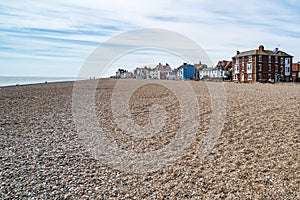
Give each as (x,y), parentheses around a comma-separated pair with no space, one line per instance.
(11,80)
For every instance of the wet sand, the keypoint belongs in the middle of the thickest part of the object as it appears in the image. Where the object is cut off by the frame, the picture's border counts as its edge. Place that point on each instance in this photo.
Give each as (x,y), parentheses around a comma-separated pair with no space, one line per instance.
(255,157)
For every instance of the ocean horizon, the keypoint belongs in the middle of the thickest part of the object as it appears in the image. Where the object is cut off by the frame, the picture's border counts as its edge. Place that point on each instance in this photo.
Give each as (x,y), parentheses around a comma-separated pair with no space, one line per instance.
(25,80)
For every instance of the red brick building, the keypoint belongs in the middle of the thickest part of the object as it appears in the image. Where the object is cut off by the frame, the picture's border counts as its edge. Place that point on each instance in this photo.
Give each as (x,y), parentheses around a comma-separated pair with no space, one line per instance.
(296,72)
(262,65)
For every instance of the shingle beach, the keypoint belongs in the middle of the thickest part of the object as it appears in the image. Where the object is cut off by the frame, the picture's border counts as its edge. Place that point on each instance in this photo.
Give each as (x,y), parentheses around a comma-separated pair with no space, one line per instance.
(255,157)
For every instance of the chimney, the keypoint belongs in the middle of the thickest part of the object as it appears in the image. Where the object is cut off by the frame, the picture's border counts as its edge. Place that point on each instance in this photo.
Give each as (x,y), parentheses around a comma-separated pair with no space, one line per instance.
(261,48)
(237,52)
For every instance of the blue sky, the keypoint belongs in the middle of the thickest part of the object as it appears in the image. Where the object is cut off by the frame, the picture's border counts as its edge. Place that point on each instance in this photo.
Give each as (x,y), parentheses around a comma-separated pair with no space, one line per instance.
(53,38)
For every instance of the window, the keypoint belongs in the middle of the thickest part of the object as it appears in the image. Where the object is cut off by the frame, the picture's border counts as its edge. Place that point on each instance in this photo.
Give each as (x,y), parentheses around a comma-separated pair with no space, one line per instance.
(276,68)
(242,67)
(237,60)
(260,67)
(287,61)
(249,76)
(259,58)
(249,68)
(269,59)
(270,67)
(281,60)
(287,69)
(249,58)
(243,59)
(235,77)
(276,59)
(259,76)
(281,69)
(236,70)
(270,76)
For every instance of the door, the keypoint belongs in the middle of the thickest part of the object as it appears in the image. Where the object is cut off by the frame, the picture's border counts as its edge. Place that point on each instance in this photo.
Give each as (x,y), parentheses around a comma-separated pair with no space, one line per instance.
(243,77)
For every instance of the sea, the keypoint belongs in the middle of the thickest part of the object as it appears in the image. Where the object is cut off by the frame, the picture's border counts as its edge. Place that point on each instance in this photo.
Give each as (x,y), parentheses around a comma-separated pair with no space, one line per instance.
(20,80)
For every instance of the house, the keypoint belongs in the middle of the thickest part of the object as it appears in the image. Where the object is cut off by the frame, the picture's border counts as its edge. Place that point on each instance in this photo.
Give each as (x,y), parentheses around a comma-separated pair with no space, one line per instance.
(198,67)
(224,65)
(123,73)
(186,72)
(171,75)
(153,73)
(211,73)
(296,72)
(142,72)
(127,74)
(262,65)
(163,71)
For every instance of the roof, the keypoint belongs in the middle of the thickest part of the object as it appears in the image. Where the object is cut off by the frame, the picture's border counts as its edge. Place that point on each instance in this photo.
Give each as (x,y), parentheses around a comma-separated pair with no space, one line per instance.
(263,52)
(210,69)
(181,66)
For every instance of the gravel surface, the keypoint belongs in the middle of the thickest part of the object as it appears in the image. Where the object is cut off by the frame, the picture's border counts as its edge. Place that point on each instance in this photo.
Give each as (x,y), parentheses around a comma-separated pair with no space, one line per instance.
(255,157)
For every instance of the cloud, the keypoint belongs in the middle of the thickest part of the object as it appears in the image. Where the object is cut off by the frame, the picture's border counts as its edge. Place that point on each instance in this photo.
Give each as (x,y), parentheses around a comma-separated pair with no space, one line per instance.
(53,30)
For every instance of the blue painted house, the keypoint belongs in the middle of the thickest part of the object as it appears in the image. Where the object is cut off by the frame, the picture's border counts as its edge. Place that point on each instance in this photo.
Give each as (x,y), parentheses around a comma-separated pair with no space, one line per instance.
(186,72)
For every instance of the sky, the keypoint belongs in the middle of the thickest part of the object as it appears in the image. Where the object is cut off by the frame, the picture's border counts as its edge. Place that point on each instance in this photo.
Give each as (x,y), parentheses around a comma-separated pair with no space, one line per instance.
(54,38)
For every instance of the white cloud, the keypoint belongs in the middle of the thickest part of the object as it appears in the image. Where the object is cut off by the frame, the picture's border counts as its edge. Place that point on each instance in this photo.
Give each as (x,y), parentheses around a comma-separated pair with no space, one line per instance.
(220,27)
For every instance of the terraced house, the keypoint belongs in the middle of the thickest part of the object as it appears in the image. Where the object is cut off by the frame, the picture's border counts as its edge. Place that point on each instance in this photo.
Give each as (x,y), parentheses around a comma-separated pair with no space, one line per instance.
(262,65)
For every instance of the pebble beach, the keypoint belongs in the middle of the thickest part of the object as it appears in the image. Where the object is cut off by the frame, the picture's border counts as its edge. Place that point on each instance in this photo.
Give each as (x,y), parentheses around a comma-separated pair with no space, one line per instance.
(255,157)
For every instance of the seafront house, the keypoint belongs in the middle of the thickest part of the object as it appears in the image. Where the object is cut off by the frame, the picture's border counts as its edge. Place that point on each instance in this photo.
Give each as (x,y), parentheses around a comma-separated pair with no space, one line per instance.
(123,73)
(224,65)
(211,73)
(153,73)
(186,72)
(142,72)
(296,72)
(164,71)
(219,72)
(260,65)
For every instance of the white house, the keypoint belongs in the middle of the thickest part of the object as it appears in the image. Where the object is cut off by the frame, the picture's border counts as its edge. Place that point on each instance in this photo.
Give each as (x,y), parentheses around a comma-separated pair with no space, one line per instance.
(211,73)
(171,75)
(127,75)
(153,73)
(142,73)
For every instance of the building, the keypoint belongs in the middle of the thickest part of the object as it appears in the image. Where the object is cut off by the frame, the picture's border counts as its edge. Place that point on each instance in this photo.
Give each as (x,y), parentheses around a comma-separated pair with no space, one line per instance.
(123,73)
(186,72)
(296,72)
(142,72)
(171,75)
(163,71)
(211,73)
(127,74)
(224,65)
(153,73)
(262,65)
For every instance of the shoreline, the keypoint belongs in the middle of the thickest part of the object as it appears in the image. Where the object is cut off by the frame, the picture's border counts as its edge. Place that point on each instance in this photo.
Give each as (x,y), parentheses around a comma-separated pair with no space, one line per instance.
(99,79)
(28,80)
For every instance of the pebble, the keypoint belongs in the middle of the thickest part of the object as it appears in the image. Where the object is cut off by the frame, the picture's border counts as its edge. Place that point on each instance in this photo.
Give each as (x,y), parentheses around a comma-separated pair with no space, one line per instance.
(256,156)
